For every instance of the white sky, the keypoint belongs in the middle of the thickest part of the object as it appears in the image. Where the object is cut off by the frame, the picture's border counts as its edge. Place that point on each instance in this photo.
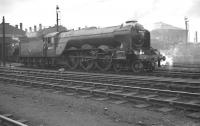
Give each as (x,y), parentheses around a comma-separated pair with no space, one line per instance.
(101,13)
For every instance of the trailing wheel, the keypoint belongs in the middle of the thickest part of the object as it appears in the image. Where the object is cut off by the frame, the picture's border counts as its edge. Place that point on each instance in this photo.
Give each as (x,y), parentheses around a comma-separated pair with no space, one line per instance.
(30,62)
(25,62)
(41,62)
(117,66)
(104,63)
(137,66)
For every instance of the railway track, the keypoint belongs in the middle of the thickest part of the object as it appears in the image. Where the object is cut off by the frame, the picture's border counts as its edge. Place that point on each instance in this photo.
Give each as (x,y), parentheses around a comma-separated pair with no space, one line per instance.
(164,71)
(143,91)
(172,72)
(161,72)
(7,120)
(144,81)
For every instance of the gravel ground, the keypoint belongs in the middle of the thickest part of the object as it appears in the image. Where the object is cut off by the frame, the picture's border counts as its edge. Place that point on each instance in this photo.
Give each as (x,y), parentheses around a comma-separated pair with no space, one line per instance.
(44,108)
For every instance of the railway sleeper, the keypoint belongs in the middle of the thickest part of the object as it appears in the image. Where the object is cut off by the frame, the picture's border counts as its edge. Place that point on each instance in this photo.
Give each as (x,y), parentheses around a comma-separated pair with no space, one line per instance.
(171,102)
(176,104)
(105,89)
(84,88)
(147,88)
(146,84)
(143,89)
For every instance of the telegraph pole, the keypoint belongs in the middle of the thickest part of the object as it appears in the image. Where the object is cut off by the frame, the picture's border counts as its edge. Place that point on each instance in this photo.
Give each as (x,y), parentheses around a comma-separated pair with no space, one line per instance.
(196,36)
(3,43)
(186,28)
(57,19)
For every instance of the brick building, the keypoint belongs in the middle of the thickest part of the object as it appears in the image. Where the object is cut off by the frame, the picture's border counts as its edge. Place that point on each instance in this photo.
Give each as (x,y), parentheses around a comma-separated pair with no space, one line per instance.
(43,31)
(164,36)
(13,35)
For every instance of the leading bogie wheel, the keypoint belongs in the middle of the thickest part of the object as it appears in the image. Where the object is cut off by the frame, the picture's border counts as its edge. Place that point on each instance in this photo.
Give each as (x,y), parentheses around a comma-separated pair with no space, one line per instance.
(151,66)
(137,66)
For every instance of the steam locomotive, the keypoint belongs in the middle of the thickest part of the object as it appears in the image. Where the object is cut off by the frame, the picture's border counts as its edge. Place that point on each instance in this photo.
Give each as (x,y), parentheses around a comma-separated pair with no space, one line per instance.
(126,46)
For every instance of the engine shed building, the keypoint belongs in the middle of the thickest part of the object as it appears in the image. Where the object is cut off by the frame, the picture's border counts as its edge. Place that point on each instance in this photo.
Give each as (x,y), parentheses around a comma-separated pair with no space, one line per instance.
(43,31)
(164,36)
(13,35)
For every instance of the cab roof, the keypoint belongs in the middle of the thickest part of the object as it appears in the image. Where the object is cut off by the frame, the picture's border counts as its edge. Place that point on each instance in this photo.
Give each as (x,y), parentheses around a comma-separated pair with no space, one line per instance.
(51,34)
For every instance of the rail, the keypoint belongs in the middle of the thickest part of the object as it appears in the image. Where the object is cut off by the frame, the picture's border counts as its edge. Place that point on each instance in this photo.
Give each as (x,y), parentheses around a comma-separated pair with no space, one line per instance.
(158,73)
(5,121)
(121,88)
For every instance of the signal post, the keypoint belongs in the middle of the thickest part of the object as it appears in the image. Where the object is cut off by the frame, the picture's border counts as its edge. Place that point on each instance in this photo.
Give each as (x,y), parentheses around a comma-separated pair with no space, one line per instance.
(3,42)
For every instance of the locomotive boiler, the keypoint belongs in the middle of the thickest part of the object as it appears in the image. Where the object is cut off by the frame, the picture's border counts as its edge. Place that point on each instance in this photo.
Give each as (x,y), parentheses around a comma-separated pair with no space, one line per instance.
(126,46)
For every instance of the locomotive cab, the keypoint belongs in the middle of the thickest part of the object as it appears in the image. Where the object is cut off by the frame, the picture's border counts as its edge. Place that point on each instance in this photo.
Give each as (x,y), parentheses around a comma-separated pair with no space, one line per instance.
(50,41)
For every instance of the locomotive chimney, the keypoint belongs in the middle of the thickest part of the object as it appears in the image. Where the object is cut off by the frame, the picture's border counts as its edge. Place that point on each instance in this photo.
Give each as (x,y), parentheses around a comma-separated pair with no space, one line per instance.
(26,30)
(16,26)
(35,28)
(40,26)
(30,29)
(21,26)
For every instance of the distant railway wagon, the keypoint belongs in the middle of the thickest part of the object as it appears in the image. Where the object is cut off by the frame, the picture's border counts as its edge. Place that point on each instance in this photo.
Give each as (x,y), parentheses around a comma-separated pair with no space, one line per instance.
(126,46)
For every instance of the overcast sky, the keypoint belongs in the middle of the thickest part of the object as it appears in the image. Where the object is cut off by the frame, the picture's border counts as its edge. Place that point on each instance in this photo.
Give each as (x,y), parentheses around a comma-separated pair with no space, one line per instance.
(101,13)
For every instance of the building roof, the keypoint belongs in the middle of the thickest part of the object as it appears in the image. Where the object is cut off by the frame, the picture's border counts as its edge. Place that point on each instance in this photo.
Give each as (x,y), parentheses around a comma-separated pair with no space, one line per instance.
(161,25)
(45,31)
(11,31)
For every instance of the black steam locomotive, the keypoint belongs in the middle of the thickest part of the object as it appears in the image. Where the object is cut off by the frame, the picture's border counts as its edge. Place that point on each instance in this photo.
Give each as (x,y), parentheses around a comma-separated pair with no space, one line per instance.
(126,46)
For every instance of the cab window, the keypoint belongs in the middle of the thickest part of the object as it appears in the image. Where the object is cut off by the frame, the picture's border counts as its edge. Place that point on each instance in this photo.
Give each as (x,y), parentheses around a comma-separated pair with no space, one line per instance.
(49,40)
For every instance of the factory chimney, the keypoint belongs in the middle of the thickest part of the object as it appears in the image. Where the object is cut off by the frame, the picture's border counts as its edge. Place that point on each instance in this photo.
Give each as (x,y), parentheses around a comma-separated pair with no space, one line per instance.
(21,26)
(40,26)
(35,28)
(30,29)
(196,36)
